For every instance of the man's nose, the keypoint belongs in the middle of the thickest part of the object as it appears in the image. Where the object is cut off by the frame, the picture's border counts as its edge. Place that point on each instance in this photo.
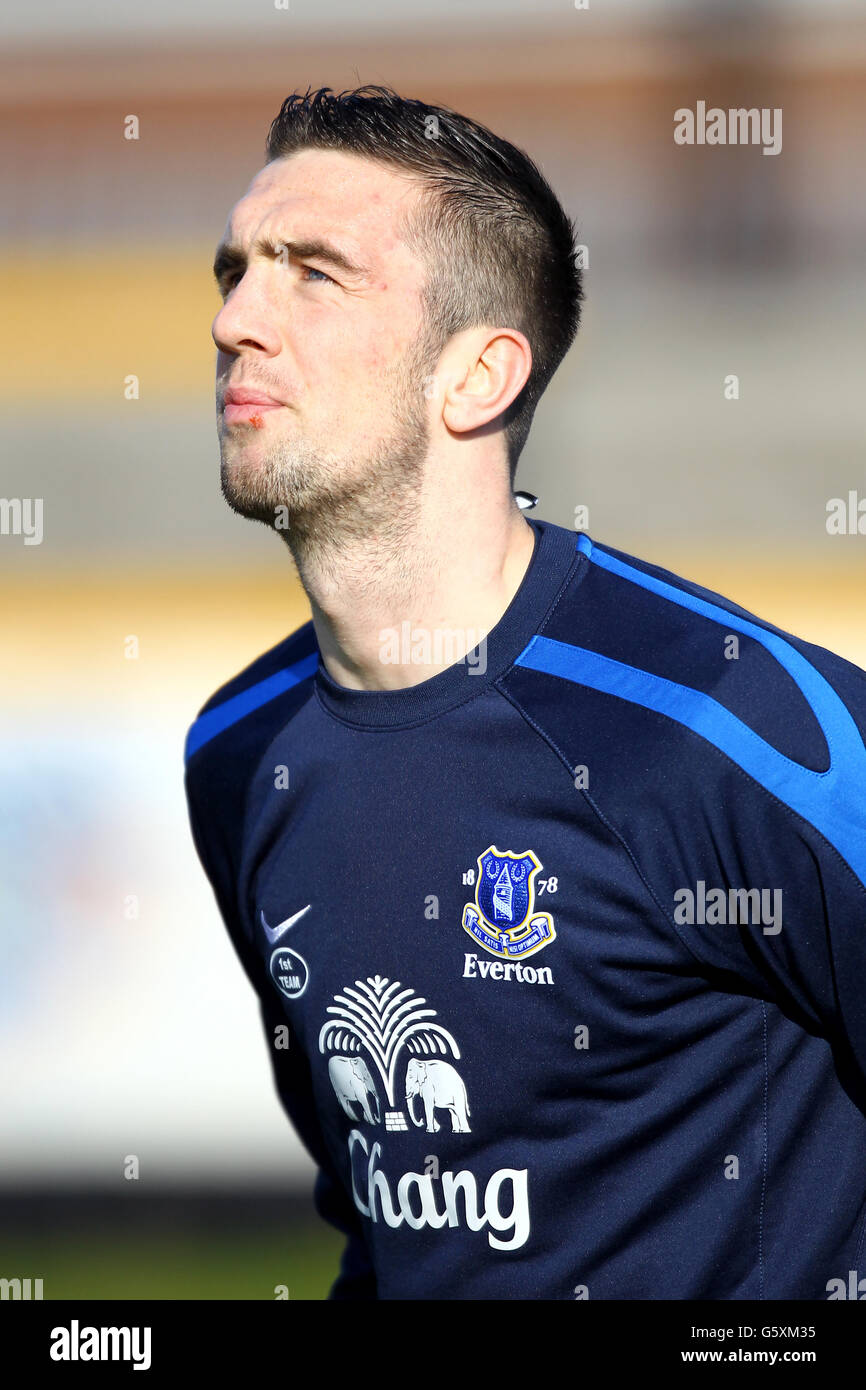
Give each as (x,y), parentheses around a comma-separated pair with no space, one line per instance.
(246,321)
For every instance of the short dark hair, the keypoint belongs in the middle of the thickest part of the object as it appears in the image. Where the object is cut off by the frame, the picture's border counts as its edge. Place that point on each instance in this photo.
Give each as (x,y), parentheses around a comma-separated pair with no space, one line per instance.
(499,246)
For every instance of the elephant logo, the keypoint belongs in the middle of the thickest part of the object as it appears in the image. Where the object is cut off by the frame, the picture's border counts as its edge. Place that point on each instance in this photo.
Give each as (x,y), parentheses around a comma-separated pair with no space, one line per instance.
(440,1087)
(501,919)
(353,1086)
(383,1019)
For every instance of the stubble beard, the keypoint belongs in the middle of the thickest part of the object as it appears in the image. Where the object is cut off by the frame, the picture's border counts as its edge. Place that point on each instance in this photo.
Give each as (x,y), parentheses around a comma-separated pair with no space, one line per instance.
(323,502)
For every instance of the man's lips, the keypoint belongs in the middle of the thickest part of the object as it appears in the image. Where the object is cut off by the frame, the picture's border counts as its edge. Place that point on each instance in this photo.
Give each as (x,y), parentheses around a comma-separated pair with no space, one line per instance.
(245,406)
(249,413)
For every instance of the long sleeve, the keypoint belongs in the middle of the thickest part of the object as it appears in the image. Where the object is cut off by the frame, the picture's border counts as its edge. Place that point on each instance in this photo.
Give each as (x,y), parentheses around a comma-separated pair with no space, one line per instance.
(291,1073)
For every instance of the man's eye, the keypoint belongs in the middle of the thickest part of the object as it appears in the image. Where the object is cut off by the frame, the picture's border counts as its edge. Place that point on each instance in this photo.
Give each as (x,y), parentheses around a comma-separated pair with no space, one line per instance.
(229,280)
(313,271)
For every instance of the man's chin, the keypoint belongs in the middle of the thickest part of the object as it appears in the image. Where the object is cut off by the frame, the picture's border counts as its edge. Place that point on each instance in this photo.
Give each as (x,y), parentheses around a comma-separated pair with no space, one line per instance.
(244,492)
(260,493)
(250,509)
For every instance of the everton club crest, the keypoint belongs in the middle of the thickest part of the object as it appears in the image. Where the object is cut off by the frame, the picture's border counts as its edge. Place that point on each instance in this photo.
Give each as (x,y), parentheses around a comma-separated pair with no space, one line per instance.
(501,919)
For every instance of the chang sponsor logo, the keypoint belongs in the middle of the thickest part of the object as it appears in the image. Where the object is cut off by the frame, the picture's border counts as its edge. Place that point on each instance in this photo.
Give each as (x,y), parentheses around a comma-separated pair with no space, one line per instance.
(378,1032)
(450,1200)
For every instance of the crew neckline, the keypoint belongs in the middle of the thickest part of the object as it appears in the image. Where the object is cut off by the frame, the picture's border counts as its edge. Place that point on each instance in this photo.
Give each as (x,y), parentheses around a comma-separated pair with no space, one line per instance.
(554,557)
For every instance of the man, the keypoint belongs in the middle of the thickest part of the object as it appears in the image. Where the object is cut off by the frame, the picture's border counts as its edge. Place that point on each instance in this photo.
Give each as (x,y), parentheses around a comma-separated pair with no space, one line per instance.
(547,864)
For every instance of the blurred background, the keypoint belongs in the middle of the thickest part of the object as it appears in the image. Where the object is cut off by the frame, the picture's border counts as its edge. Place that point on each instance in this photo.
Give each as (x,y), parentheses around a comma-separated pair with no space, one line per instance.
(126,1025)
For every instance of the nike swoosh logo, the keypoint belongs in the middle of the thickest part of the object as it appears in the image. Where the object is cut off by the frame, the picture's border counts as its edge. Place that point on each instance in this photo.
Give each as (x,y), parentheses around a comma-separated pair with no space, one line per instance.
(274,933)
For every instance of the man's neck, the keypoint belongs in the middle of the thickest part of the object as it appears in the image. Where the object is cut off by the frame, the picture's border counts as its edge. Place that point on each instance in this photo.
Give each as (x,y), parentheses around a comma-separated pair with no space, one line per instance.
(391,612)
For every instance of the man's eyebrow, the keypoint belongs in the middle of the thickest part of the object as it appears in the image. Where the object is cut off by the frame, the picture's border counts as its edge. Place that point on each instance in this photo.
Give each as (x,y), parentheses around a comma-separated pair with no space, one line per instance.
(230,256)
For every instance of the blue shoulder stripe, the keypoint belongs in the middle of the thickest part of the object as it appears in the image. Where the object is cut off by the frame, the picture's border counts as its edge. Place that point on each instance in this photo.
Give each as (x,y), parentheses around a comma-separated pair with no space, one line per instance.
(832,801)
(221,717)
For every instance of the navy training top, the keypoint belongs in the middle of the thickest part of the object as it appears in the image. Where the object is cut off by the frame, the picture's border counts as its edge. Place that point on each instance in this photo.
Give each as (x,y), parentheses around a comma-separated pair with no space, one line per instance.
(561,952)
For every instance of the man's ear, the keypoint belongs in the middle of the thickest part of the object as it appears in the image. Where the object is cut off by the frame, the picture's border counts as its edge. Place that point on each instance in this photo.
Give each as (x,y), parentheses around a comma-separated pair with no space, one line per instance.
(482,371)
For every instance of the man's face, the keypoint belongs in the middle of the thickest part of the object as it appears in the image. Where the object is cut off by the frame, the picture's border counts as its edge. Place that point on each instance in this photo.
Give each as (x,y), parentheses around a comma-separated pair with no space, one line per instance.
(339,348)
